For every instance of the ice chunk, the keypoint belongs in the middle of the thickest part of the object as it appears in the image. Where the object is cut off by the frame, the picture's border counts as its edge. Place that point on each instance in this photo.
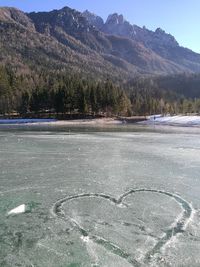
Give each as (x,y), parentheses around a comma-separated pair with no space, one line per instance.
(18,210)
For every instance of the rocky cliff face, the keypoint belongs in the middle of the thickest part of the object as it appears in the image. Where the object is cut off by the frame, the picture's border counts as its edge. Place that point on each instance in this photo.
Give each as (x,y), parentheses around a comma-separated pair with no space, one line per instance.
(94,19)
(116,24)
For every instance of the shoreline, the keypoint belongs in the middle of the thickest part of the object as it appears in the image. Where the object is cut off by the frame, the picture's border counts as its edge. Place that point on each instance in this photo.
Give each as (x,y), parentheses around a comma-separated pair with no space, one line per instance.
(84,121)
(154,120)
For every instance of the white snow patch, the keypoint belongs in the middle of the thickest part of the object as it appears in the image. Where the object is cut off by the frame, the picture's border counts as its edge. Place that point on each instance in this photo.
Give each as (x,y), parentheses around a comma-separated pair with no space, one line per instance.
(18,210)
(85,239)
(192,120)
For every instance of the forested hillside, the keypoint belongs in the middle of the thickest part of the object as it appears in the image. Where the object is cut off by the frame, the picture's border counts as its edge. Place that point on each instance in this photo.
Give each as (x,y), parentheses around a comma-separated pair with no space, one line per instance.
(72,94)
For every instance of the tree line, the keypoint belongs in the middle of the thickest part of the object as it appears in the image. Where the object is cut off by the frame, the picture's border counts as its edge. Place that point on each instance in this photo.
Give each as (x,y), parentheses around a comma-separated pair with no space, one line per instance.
(160,95)
(61,93)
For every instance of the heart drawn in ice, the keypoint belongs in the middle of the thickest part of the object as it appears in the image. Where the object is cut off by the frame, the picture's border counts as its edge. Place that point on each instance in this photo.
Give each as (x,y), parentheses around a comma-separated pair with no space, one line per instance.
(177,225)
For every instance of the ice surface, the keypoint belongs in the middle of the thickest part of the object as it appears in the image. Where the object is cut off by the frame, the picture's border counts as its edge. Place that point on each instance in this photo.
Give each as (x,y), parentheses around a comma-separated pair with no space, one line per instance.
(123,196)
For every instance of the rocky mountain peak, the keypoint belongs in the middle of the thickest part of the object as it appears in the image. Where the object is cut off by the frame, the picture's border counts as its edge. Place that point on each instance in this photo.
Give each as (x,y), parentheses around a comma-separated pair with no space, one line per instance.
(65,20)
(165,38)
(160,31)
(115,19)
(93,19)
(117,25)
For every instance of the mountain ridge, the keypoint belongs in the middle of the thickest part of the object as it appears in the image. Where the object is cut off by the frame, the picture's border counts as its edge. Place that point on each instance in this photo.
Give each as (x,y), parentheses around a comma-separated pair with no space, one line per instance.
(162,43)
(84,43)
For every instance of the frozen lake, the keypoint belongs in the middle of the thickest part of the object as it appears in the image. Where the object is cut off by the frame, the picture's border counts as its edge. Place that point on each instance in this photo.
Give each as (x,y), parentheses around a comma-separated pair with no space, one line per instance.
(119,196)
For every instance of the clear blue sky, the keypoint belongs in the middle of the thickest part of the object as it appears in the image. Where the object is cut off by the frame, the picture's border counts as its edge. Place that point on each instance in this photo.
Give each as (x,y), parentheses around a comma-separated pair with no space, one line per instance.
(181,18)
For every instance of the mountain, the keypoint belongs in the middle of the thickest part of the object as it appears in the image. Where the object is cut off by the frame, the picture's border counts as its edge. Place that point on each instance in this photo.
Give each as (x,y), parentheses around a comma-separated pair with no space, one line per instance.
(67,40)
(160,42)
(117,49)
(26,48)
